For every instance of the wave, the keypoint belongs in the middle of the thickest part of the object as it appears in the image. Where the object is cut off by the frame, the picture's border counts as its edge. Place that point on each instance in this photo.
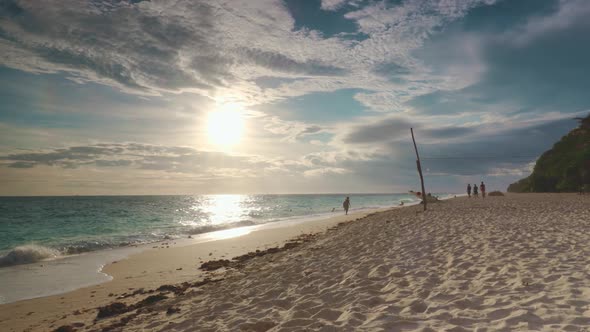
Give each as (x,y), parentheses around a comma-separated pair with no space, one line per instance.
(27,254)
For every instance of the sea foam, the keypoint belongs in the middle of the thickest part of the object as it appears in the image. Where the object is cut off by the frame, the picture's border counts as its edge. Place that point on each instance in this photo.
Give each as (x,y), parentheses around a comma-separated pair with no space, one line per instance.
(27,254)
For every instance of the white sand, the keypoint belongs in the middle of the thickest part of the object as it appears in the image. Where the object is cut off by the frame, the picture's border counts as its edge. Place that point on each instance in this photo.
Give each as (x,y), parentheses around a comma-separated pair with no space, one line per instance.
(520,263)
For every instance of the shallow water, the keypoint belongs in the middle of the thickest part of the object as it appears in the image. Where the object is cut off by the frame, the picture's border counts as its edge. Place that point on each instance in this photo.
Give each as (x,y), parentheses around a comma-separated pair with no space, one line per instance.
(50,226)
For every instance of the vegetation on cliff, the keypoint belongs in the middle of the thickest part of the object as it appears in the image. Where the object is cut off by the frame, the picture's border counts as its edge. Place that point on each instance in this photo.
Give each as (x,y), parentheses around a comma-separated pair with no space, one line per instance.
(564,168)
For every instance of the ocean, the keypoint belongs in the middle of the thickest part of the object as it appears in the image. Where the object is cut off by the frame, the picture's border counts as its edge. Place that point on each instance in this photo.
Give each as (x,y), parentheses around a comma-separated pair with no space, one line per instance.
(68,229)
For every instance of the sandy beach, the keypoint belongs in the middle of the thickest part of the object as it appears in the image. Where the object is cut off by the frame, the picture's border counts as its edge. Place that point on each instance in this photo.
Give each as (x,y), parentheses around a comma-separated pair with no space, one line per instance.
(519,262)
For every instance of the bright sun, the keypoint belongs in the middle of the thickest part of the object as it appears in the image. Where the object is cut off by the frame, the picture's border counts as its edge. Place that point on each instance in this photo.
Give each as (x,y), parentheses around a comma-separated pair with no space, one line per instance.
(225,126)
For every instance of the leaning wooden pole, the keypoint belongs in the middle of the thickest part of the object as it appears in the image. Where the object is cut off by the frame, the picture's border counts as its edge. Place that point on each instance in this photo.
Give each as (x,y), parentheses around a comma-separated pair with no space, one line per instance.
(419,169)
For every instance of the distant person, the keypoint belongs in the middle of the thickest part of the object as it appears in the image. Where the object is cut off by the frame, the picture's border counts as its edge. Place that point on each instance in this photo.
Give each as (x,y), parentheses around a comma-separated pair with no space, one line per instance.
(482,188)
(346,204)
(469,189)
(333,209)
(475,190)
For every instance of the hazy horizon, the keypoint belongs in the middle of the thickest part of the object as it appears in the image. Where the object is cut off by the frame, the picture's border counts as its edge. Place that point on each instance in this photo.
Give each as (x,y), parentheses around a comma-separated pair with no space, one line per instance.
(228,194)
(284,96)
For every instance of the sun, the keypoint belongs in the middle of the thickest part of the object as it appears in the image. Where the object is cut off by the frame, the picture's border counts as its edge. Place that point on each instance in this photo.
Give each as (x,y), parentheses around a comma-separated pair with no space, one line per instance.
(225,126)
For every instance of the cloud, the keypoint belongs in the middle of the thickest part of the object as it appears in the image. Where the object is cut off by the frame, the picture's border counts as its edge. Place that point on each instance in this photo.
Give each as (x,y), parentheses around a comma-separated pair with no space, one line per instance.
(21,164)
(325,171)
(208,47)
(290,130)
(332,4)
(534,63)
(133,155)
(281,63)
(380,131)
(391,129)
(569,13)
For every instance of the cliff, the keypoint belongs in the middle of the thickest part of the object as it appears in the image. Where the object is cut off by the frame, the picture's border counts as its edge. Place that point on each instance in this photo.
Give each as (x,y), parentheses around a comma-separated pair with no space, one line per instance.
(564,168)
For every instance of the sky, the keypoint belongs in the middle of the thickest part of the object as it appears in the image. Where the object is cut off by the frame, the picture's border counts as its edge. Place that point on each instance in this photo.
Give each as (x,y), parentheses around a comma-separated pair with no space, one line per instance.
(125,97)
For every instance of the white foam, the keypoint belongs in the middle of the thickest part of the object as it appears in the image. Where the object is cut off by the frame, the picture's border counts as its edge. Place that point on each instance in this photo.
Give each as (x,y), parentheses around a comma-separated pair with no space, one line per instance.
(27,254)
(68,273)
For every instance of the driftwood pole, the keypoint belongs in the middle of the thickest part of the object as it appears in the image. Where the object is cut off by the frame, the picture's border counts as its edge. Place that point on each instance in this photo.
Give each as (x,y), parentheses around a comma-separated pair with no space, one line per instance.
(419,169)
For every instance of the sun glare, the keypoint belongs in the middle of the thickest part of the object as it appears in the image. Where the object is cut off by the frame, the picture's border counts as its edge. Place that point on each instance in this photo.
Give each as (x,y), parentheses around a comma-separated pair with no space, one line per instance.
(225,126)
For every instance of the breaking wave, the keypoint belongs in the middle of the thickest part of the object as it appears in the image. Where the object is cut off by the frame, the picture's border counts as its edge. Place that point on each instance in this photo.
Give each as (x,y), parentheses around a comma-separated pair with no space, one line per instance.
(27,254)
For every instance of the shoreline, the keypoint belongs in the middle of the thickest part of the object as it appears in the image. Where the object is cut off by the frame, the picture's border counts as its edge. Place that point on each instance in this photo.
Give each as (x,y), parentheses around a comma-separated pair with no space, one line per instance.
(162,263)
(67,273)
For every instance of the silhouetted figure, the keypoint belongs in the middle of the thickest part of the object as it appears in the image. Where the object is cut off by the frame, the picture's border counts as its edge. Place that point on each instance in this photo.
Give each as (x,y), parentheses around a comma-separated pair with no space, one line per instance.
(482,188)
(469,190)
(475,190)
(346,204)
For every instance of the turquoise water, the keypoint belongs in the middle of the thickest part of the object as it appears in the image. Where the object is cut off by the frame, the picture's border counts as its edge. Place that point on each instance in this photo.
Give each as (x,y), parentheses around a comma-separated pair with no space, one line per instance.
(51,226)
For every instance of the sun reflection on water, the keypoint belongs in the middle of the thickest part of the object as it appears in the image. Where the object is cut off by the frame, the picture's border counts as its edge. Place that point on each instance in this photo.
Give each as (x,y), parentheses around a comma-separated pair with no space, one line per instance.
(222,209)
(229,233)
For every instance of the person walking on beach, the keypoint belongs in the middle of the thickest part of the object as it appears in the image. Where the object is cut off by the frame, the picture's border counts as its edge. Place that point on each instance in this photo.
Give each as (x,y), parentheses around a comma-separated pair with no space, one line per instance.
(475,190)
(346,204)
(482,188)
(469,190)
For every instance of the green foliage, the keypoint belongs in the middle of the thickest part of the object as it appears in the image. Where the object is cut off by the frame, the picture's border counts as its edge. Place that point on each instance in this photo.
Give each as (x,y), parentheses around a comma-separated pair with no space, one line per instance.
(521,186)
(564,168)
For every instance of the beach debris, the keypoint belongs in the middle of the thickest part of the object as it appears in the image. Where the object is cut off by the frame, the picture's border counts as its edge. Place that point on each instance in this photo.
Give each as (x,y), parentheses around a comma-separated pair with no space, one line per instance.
(118,308)
(259,326)
(119,324)
(115,308)
(167,288)
(290,245)
(237,261)
(151,300)
(137,292)
(65,328)
(215,265)
(172,310)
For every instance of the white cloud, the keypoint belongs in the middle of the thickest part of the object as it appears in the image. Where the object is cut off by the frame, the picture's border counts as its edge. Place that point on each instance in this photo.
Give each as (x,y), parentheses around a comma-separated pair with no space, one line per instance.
(332,4)
(290,130)
(219,48)
(325,171)
(569,13)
